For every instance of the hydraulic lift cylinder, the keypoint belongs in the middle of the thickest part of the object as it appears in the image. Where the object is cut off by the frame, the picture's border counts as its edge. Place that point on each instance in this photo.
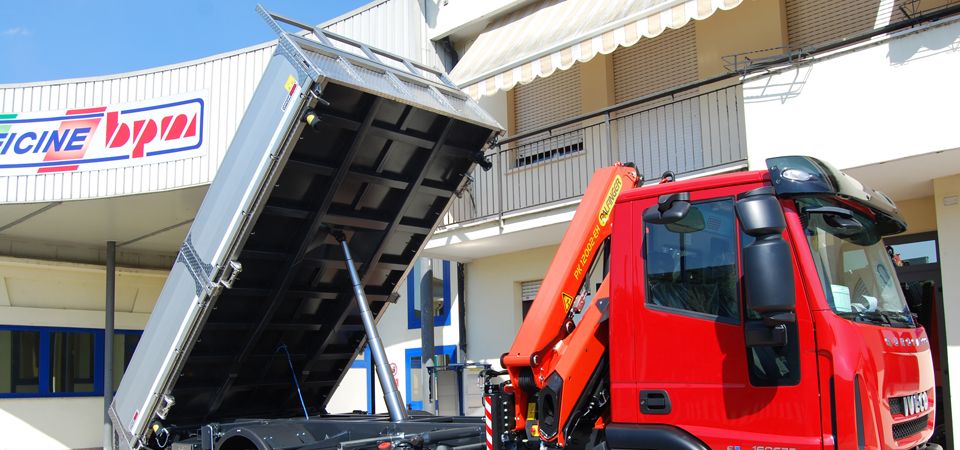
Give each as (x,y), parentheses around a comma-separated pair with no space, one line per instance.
(391,396)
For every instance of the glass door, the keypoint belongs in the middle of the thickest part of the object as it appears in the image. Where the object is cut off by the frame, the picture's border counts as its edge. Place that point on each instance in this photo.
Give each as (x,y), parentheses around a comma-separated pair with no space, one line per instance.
(917,261)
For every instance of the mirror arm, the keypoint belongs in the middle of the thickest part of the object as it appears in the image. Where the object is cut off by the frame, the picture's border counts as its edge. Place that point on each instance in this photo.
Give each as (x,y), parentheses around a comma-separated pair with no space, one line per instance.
(778,318)
(670,208)
(757,334)
(842,212)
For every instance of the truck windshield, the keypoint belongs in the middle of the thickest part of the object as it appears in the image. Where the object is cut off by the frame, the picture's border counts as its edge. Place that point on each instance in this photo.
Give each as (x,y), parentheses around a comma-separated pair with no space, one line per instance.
(857,275)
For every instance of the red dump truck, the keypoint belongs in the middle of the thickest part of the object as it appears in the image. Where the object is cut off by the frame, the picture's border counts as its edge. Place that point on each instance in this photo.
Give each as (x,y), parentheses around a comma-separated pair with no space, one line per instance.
(754,310)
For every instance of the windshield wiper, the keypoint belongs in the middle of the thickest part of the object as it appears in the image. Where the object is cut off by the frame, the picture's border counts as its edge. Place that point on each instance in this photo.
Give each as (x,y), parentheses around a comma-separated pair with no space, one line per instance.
(872,316)
(885,318)
(901,317)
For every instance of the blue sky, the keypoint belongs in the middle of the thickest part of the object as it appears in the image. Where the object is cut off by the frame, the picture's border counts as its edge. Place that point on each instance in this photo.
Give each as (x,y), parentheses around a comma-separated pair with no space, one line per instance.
(44,40)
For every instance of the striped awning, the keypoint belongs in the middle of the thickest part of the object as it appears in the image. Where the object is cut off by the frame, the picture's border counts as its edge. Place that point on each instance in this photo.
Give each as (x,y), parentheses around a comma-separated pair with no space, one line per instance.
(553,34)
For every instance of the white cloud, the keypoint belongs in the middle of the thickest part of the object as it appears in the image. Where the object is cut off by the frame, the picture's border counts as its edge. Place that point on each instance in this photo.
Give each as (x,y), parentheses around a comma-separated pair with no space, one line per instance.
(18,31)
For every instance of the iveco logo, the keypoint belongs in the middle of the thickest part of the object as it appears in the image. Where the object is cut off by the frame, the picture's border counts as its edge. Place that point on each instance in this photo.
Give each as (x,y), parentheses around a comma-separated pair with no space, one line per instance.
(903,342)
(915,404)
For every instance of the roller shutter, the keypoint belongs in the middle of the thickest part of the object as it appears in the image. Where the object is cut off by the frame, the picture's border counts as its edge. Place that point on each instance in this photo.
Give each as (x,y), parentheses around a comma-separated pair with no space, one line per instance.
(548,100)
(654,65)
(528,292)
(529,289)
(821,21)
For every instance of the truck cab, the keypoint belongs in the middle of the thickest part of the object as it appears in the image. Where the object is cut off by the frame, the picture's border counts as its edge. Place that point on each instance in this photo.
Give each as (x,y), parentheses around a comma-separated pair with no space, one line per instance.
(764,313)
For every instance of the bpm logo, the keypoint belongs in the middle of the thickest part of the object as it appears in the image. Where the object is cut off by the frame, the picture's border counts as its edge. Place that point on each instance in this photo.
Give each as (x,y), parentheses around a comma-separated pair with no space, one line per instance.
(123,135)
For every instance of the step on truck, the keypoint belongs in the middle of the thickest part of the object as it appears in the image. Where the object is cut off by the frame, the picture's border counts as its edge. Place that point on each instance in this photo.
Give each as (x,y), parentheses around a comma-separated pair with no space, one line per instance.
(344,163)
(754,310)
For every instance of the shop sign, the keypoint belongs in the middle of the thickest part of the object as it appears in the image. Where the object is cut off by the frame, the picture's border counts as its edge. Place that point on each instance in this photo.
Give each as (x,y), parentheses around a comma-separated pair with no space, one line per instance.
(114,136)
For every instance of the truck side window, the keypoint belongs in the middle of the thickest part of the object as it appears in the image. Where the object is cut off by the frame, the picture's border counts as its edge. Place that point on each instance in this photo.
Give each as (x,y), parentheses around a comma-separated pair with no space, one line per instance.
(691,265)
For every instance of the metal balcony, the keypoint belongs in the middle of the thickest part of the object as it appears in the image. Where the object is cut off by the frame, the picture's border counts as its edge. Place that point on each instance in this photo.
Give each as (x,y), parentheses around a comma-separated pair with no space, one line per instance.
(552,166)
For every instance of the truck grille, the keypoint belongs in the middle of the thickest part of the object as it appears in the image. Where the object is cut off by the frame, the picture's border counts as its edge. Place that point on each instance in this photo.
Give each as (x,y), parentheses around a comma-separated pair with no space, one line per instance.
(896,405)
(909,428)
(910,405)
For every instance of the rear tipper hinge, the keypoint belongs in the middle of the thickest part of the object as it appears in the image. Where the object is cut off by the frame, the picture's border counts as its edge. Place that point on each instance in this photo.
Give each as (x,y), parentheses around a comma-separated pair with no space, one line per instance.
(207,278)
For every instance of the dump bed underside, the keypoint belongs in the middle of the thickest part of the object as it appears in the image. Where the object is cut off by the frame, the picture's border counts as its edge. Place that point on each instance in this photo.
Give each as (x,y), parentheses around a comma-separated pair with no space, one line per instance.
(381,171)
(394,146)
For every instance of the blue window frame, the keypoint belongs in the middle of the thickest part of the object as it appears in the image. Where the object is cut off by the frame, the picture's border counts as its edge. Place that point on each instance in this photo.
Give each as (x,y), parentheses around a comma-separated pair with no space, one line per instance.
(58,362)
(414,376)
(413,297)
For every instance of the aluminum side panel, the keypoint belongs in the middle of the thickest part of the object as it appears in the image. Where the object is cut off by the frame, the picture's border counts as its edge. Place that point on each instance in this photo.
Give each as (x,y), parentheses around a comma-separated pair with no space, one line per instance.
(260,134)
(179,311)
(169,326)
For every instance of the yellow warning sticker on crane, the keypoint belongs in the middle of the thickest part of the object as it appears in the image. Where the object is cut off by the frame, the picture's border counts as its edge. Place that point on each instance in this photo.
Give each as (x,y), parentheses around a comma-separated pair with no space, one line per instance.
(567,301)
(611,199)
(531,411)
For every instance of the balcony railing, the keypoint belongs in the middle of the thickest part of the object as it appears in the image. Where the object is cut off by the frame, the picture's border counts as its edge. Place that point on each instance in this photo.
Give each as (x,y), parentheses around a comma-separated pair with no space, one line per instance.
(550,167)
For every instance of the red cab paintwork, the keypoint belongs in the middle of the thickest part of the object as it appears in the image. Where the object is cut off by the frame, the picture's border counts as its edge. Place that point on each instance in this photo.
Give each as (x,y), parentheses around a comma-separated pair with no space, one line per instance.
(702,363)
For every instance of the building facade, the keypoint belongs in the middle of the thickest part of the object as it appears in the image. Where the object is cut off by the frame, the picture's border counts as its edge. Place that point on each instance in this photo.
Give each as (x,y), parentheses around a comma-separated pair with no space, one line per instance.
(844,81)
(693,87)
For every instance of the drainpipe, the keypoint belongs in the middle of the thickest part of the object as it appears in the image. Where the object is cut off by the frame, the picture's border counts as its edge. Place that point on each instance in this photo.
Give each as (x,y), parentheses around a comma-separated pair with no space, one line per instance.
(108,345)
(462,309)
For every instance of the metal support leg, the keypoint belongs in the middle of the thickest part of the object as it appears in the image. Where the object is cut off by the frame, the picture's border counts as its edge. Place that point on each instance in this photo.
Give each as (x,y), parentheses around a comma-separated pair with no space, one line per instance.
(391,396)
(427,349)
(108,344)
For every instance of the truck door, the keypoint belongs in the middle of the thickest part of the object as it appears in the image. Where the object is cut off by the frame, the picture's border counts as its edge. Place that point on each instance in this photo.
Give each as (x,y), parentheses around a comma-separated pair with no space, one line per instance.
(693,368)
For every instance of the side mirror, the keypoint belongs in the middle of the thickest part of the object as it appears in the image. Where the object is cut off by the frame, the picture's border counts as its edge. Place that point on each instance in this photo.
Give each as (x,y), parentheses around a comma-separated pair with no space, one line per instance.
(692,223)
(768,261)
(670,208)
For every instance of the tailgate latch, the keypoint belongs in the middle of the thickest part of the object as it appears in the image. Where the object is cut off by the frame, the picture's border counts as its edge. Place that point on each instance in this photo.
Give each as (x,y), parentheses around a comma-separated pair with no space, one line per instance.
(229,274)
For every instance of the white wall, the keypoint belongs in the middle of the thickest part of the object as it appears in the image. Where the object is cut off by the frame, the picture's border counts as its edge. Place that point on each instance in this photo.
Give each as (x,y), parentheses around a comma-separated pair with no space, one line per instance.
(51,423)
(447,16)
(494,311)
(57,294)
(884,101)
(496,106)
(351,395)
(948,224)
(397,26)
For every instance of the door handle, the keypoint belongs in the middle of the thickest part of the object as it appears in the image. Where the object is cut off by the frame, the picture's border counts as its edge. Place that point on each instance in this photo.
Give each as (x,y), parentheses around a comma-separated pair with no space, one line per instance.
(655,401)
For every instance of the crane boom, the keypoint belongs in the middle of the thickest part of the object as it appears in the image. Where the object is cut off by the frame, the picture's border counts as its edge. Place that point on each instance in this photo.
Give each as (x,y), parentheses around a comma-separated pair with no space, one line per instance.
(550,318)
